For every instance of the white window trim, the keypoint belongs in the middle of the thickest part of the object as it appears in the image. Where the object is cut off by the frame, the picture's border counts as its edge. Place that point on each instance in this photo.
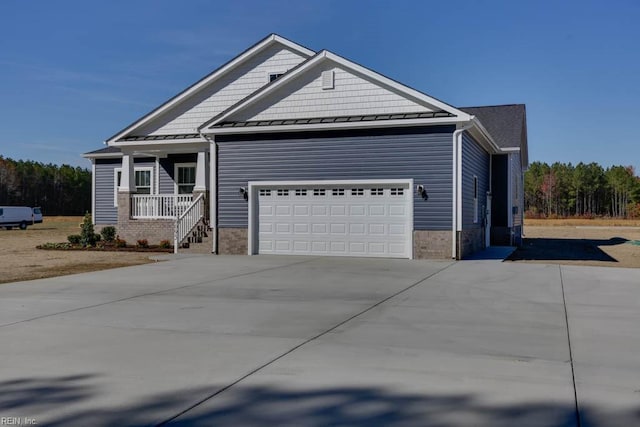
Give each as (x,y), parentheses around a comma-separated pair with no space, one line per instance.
(115,181)
(476,190)
(175,173)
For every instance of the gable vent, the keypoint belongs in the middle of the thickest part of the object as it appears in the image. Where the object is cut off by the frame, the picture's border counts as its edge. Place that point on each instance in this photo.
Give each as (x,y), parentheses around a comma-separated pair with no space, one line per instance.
(328,79)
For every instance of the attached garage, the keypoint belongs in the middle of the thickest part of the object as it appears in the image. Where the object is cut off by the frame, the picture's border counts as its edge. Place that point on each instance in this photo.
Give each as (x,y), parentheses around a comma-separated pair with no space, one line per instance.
(364,218)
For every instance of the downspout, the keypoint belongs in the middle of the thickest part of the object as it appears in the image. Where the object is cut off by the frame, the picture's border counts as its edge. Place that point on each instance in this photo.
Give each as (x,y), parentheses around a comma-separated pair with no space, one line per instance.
(457,185)
(213,191)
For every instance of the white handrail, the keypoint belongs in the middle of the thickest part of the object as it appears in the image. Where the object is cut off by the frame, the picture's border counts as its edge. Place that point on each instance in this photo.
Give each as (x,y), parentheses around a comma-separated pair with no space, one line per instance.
(186,221)
(158,206)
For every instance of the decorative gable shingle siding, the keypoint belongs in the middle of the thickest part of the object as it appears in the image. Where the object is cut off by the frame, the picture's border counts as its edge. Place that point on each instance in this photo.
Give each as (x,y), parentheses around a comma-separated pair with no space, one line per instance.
(352,95)
(422,154)
(105,211)
(475,162)
(224,92)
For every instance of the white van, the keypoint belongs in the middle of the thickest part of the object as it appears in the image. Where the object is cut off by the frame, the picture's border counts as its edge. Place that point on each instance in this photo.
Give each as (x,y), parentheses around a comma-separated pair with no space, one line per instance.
(19,216)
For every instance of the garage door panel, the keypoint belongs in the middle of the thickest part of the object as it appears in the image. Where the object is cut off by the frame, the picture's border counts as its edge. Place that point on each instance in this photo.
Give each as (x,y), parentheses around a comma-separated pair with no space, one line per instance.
(397,229)
(338,247)
(376,229)
(397,210)
(397,249)
(266,227)
(301,210)
(338,210)
(283,245)
(318,210)
(376,210)
(266,245)
(357,228)
(377,248)
(358,210)
(266,210)
(357,220)
(319,247)
(283,227)
(301,228)
(338,228)
(357,248)
(318,228)
(301,246)
(283,210)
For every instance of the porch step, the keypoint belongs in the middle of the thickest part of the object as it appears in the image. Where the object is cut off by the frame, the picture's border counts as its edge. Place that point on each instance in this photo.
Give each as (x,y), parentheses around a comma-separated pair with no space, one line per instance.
(199,241)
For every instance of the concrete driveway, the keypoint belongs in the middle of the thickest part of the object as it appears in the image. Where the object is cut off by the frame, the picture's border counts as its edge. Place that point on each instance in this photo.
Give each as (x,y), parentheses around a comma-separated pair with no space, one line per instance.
(300,341)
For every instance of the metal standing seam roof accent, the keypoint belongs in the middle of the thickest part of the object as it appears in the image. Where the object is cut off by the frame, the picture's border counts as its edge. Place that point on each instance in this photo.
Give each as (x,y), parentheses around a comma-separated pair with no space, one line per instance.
(338,119)
(161,137)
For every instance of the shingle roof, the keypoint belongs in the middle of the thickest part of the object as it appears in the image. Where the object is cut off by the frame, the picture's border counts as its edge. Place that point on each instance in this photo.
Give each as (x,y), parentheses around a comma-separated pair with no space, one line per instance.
(505,123)
(340,119)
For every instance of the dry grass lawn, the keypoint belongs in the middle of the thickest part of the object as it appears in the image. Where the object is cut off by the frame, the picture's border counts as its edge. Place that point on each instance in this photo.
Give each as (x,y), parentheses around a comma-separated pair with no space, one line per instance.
(20,260)
(597,242)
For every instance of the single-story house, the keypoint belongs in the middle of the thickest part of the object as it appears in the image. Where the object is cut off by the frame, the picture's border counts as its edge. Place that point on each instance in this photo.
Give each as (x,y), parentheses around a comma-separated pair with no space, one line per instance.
(284,150)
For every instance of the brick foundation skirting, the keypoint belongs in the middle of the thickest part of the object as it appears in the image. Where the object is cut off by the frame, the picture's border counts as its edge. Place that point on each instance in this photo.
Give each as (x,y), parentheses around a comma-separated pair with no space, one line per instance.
(233,241)
(153,230)
(471,241)
(430,244)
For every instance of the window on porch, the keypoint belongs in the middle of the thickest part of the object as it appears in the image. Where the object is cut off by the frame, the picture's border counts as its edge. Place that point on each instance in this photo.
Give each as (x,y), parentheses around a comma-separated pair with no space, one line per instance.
(185,178)
(143,181)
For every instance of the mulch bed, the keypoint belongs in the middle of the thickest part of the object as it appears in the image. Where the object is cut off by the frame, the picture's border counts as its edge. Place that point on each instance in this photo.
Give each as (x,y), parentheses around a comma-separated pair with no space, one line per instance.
(105,248)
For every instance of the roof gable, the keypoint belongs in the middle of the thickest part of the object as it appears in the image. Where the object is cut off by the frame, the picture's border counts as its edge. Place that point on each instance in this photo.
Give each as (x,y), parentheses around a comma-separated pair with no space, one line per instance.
(507,125)
(212,94)
(357,91)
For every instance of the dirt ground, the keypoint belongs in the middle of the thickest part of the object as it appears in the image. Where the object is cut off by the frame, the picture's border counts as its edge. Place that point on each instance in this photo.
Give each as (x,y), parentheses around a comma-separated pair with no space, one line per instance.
(591,242)
(20,260)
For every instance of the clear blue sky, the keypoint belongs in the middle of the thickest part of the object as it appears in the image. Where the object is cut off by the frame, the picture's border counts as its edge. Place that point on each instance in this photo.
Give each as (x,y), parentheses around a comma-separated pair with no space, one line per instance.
(72,73)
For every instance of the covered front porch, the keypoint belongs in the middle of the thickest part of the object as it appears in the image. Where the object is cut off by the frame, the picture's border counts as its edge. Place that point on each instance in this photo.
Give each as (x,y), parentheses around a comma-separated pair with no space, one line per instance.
(162,193)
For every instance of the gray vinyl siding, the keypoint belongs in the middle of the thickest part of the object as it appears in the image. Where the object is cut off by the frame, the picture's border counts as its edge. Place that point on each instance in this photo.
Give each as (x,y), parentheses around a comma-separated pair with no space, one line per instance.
(475,161)
(167,170)
(424,155)
(106,212)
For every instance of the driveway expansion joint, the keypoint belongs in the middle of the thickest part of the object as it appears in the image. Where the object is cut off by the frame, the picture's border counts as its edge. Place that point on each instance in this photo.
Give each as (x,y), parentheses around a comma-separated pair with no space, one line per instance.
(573,373)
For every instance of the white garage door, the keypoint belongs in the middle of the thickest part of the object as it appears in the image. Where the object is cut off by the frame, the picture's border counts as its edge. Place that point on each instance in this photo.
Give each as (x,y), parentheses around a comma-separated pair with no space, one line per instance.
(349,219)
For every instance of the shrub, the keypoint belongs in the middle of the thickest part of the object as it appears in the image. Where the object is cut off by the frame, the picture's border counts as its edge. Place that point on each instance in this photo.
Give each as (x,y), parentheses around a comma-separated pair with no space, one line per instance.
(108,233)
(50,245)
(88,235)
(120,243)
(165,244)
(74,239)
(97,237)
(142,243)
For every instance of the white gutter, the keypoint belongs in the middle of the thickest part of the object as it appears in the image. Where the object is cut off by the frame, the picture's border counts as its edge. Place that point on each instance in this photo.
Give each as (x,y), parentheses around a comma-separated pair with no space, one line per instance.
(457,186)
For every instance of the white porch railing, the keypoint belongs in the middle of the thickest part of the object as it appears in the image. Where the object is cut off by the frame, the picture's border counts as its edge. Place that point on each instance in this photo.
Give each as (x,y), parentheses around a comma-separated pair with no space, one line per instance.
(187,220)
(155,206)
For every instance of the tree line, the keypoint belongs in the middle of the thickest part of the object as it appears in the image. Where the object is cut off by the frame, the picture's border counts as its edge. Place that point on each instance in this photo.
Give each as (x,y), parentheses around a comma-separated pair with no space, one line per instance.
(586,190)
(58,190)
